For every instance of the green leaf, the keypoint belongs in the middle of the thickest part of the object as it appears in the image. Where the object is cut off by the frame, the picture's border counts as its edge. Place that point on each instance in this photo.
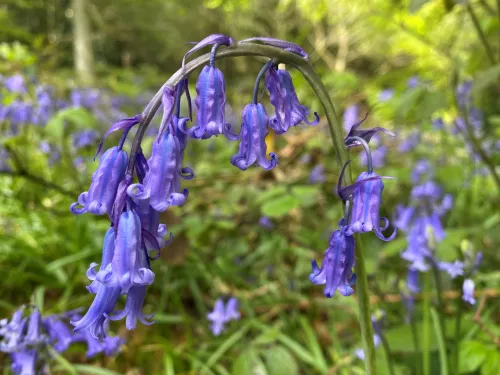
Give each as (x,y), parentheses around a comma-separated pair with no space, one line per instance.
(279,361)
(308,195)
(491,362)
(486,78)
(280,206)
(272,192)
(314,345)
(93,370)
(472,355)
(249,363)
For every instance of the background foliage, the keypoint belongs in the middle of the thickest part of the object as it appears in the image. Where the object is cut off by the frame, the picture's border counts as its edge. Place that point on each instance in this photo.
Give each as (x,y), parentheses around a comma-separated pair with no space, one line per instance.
(287,327)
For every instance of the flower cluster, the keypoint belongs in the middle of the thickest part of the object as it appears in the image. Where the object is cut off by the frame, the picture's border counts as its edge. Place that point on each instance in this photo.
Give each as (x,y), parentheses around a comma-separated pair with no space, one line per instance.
(223,314)
(365,197)
(27,340)
(134,207)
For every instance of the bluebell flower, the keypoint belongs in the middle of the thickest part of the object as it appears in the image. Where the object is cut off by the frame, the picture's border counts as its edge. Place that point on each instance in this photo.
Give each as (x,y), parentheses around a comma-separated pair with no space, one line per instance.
(410,142)
(453,269)
(336,269)
(360,353)
(162,184)
(15,84)
(253,144)
(412,281)
(133,308)
(317,174)
(210,104)
(289,112)
(61,336)
(223,314)
(24,362)
(34,334)
(468,291)
(413,82)
(217,317)
(232,312)
(403,216)
(464,93)
(365,214)
(385,95)
(12,332)
(422,168)
(103,305)
(84,138)
(105,180)
(266,223)
(350,117)
(438,123)
(129,266)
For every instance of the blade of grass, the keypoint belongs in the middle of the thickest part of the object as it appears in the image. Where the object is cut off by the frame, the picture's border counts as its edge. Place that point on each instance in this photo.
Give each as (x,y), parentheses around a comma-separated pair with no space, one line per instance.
(443,358)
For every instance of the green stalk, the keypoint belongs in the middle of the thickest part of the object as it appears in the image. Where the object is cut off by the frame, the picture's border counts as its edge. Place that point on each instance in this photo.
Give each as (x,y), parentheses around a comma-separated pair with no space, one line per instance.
(336,133)
(480,34)
(443,359)
(388,354)
(456,349)
(426,334)
(416,345)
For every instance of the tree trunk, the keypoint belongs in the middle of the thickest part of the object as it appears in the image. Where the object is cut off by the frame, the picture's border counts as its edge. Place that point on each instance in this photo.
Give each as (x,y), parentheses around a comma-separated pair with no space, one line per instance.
(83,54)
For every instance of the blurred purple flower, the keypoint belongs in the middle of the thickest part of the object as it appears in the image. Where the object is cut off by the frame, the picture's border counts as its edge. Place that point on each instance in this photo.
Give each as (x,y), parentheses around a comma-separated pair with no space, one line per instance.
(317,175)
(223,314)
(468,291)
(464,93)
(413,82)
(24,362)
(453,269)
(15,84)
(84,138)
(410,142)
(266,223)
(421,168)
(385,95)
(350,117)
(412,281)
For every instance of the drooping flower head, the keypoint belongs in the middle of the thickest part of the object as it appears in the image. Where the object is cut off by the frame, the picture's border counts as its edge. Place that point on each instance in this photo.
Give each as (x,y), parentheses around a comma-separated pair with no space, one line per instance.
(336,269)
(105,180)
(162,184)
(365,215)
(210,104)
(289,112)
(129,266)
(253,140)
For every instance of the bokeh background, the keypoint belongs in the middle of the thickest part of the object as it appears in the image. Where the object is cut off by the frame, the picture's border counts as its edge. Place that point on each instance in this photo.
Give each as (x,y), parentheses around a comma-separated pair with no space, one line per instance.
(253,234)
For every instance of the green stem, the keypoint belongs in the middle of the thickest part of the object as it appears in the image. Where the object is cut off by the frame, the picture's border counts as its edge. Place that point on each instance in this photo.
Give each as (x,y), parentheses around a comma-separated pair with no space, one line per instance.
(365,321)
(456,349)
(470,137)
(480,33)
(440,338)
(426,335)
(416,345)
(498,15)
(388,354)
